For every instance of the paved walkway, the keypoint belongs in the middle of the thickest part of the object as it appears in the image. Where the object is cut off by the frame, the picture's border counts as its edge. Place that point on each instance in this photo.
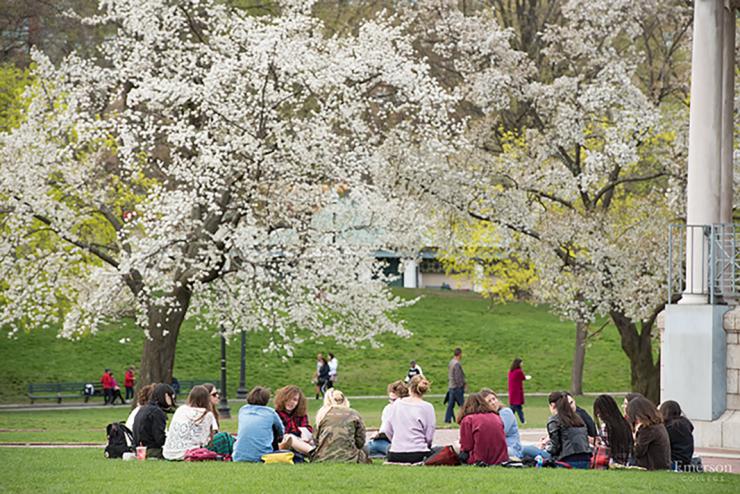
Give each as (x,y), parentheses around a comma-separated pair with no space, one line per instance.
(75,405)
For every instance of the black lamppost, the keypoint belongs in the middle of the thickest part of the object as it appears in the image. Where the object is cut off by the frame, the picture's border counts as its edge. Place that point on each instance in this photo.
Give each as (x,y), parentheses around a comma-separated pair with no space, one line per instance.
(241,391)
(223,406)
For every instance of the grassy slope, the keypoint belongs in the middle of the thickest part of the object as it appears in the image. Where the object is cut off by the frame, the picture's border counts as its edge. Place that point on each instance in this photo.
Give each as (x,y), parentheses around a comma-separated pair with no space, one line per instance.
(440,321)
(85,470)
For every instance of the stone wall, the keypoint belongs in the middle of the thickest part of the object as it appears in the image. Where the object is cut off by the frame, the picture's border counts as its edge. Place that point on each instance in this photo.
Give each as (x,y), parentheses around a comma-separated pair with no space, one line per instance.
(732,327)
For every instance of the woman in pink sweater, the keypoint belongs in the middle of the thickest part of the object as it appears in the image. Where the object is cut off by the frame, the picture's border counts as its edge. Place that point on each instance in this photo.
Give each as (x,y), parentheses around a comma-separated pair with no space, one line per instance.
(411,424)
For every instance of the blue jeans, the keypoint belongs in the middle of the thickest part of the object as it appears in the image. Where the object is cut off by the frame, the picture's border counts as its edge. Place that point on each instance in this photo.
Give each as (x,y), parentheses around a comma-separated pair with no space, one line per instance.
(378,447)
(454,395)
(517,409)
(579,464)
(531,451)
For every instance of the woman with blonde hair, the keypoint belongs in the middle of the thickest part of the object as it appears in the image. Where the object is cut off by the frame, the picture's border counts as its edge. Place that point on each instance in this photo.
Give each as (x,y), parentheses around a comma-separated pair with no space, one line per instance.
(340,431)
(191,426)
(411,424)
(378,446)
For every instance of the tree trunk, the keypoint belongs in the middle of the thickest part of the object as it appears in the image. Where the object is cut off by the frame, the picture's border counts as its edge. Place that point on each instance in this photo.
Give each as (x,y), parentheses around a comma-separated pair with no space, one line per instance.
(579,358)
(638,345)
(158,357)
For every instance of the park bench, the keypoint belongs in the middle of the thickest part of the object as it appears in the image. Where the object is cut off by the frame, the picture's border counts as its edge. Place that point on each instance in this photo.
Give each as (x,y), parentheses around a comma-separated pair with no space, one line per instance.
(60,391)
(187,384)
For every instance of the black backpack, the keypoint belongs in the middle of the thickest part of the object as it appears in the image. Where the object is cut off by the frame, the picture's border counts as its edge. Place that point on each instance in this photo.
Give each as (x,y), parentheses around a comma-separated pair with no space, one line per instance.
(120,438)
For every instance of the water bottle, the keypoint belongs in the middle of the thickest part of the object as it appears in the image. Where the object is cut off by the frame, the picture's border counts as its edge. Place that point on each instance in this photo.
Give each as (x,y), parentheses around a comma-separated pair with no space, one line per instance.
(538,459)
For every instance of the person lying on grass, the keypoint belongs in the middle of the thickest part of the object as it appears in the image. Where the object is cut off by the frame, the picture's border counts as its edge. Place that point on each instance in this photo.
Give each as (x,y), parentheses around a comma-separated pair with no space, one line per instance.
(191,426)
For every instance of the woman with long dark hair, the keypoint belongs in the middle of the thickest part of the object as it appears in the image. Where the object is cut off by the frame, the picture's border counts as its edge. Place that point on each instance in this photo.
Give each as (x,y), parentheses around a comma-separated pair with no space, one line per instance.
(323,377)
(567,432)
(615,431)
(516,388)
(652,444)
(482,437)
(680,432)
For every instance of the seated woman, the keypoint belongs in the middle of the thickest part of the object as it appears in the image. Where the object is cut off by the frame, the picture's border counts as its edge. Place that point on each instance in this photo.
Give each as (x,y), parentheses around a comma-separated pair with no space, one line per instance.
(378,446)
(411,424)
(567,433)
(482,438)
(513,442)
(142,398)
(222,442)
(652,444)
(616,432)
(191,426)
(340,432)
(680,433)
(260,428)
(151,421)
(290,405)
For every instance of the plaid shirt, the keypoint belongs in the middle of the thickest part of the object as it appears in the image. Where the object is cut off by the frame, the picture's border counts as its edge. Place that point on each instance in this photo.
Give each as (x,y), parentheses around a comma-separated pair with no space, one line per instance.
(292,423)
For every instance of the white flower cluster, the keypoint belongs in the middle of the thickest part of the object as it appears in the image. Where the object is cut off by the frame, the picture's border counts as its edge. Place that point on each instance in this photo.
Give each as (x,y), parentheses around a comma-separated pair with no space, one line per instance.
(193,167)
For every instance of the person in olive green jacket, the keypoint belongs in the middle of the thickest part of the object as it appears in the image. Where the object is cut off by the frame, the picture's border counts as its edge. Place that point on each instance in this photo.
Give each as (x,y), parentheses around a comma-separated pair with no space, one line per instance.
(340,433)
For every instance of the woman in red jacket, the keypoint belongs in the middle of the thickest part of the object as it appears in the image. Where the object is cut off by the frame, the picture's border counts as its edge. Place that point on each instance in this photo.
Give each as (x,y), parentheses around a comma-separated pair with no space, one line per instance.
(128,383)
(516,388)
(482,437)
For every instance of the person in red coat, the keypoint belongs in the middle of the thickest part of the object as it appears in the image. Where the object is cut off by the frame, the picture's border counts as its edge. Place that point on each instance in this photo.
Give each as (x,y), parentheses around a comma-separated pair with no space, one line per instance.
(516,388)
(128,383)
(107,383)
(482,437)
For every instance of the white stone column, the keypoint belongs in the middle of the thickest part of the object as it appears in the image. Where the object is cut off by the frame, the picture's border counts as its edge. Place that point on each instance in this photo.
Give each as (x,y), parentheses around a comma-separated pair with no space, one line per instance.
(705,130)
(410,269)
(728,106)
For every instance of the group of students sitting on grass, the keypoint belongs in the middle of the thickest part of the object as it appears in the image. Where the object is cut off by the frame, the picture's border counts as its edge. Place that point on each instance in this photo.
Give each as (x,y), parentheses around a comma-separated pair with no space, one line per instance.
(640,435)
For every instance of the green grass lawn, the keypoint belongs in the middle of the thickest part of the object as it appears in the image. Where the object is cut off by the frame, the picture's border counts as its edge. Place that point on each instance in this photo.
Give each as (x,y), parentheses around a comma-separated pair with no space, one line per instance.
(85,470)
(442,320)
(89,425)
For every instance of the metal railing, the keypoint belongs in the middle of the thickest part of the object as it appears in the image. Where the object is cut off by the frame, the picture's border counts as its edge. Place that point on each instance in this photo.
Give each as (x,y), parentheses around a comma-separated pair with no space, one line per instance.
(711,253)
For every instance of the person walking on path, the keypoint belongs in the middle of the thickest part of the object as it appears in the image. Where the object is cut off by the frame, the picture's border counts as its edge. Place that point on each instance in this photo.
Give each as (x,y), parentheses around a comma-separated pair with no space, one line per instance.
(323,379)
(516,388)
(333,368)
(128,383)
(455,385)
(115,391)
(319,364)
(107,383)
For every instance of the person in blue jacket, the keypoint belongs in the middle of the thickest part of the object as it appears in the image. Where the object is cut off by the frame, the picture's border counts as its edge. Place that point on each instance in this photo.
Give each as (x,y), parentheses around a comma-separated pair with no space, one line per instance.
(260,427)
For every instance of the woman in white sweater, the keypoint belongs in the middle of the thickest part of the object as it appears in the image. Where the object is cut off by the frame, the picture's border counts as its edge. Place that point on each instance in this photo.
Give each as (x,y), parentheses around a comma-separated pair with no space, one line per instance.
(191,425)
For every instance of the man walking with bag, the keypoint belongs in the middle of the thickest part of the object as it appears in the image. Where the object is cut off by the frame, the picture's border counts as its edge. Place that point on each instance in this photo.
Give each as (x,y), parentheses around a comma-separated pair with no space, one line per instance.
(455,385)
